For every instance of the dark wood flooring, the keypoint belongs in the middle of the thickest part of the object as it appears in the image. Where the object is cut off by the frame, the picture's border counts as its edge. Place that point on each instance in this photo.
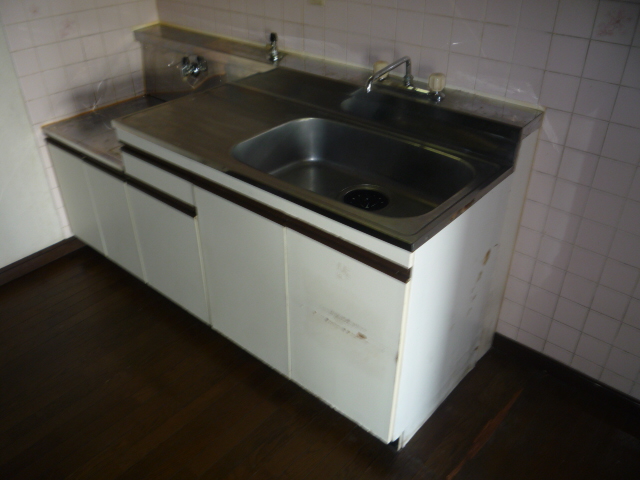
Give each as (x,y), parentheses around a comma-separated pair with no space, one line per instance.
(102,378)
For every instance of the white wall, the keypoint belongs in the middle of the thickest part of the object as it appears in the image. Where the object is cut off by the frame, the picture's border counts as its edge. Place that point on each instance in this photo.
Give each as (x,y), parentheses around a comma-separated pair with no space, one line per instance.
(71,56)
(573,292)
(28,220)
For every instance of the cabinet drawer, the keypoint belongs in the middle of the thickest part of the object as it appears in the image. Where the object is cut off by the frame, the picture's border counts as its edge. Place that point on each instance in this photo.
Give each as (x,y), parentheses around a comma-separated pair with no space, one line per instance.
(158,178)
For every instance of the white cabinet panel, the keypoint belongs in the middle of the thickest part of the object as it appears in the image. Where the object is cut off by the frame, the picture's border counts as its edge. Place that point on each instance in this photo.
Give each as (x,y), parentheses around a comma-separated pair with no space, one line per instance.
(345,324)
(76,194)
(450,284)
(170,251)
(115,219)
(244,262)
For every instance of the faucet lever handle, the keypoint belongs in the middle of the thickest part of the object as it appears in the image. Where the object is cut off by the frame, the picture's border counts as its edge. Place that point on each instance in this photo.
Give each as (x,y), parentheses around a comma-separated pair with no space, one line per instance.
(437,81)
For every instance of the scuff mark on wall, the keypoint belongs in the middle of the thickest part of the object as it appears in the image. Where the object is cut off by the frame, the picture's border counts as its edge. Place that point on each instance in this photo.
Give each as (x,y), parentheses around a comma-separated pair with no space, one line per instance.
(486,257)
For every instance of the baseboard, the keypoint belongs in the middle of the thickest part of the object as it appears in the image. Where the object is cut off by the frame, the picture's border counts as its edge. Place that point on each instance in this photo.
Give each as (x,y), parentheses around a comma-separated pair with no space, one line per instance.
(39,259)
(567,374)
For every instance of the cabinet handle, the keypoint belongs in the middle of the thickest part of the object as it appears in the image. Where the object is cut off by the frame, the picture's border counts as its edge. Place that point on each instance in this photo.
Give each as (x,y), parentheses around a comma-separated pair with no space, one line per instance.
(119,174)
(163,197)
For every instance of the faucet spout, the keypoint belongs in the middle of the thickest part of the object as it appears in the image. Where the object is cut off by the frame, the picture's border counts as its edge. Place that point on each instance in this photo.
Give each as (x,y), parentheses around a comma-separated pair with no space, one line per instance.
(408,78)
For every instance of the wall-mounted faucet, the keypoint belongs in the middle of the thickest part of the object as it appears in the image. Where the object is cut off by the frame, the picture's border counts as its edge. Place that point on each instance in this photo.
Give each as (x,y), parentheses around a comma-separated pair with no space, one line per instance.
(274,53)
(408,78)
(193,66)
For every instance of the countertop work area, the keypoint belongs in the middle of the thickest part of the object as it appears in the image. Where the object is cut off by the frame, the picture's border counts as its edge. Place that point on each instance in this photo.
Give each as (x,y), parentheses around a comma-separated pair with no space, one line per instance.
(366,232)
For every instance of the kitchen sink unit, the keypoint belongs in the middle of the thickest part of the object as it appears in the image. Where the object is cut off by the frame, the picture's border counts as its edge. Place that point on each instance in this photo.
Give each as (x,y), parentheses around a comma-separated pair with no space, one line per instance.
(358,166)
(357,242)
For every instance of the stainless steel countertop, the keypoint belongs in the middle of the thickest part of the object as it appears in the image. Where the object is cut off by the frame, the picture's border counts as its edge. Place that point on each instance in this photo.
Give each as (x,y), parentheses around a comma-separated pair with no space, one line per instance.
(92,133)
(204,127)
(501,110)
(405,112)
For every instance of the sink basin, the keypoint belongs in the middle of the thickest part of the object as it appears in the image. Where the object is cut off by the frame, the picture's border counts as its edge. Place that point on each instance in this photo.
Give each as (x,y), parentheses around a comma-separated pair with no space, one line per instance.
(364,169)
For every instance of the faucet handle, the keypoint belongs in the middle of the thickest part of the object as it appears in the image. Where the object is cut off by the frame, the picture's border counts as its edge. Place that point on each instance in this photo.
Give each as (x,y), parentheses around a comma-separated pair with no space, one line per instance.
(436,84)
(379,65)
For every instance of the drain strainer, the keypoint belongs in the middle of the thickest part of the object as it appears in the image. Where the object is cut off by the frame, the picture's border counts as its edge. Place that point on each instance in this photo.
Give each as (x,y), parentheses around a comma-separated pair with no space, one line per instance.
(366,198)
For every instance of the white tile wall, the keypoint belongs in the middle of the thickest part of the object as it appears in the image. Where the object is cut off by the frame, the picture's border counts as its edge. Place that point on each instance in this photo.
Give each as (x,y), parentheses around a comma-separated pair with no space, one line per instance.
(574,291)
(72,56)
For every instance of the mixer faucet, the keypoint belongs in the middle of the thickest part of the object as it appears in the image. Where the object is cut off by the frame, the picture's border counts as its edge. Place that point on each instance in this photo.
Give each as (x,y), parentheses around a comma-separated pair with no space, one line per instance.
(408,78)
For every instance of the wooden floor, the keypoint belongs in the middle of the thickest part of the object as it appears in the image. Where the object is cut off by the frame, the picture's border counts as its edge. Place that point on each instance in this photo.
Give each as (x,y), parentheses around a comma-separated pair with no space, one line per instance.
(102,378)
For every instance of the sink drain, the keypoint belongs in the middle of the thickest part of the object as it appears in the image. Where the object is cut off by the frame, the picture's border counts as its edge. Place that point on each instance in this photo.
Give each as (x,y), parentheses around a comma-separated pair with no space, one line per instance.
(366,198)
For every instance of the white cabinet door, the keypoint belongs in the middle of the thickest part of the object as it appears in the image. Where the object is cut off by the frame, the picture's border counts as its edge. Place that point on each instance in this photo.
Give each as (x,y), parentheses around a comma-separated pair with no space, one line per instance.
(345,322)
(78,202)
(244,262)
(115,219)
(170,251)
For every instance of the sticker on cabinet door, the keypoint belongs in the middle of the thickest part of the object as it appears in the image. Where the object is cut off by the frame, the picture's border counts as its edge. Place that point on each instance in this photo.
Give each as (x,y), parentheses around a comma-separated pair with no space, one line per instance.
(346,338)
(341,322)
